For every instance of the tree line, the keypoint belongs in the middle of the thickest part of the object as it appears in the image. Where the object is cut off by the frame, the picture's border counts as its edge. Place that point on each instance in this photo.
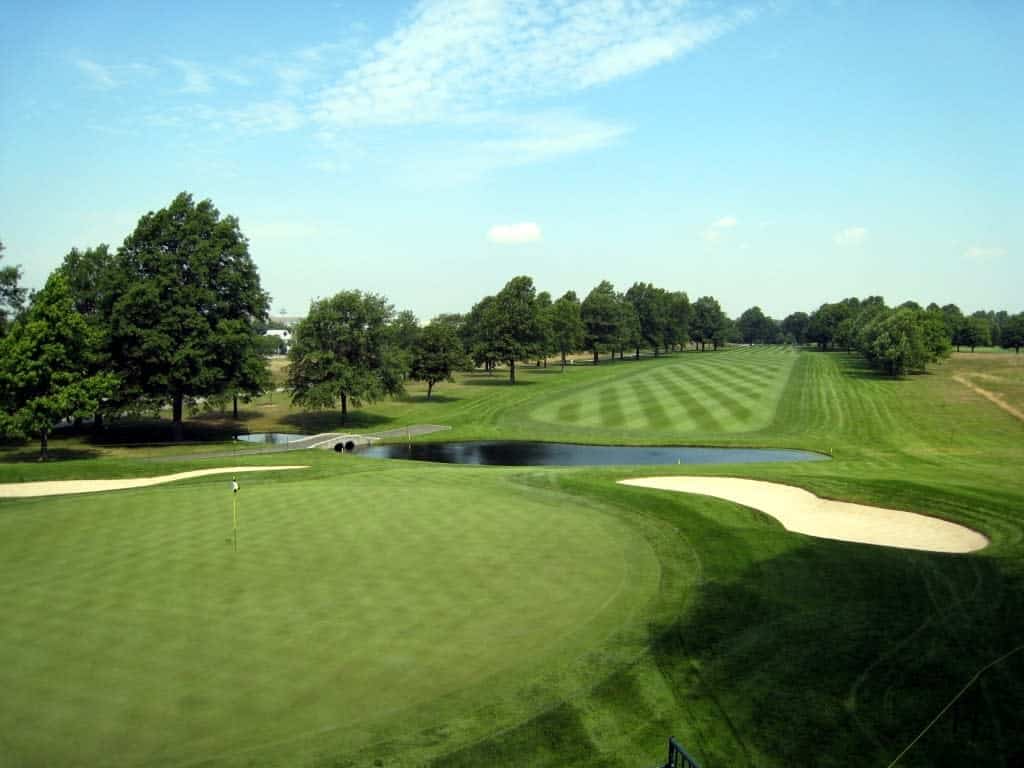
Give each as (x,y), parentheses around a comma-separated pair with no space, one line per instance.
(176,316)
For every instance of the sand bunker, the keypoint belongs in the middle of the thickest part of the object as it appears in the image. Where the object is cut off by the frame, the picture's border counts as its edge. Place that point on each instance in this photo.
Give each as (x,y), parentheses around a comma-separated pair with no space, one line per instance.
(58,487)
(803,512)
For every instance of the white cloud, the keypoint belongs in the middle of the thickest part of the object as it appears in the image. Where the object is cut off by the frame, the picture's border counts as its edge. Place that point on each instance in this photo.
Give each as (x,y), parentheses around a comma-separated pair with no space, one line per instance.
(851,236)
(984,253)
(514,234)
(197,80)
(466,56)
(514,141)
(99,75)
(718,227)
(266,117)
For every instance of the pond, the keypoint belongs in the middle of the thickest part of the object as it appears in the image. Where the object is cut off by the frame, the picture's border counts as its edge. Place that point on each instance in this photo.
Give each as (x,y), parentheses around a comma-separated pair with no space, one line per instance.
(271,438)
(519,454)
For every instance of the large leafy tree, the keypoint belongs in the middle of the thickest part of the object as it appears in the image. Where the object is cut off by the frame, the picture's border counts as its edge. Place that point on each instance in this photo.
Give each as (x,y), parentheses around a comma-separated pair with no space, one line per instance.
(754,326)
(436,355)
(545,329)
(973,332)
(1012,336)
(344,350)
(12,296)
(514,325)
(708,322)
(652,308)
(628,335)
(567,325)
(90,278)
(46,366)
(679,317)
(795,327)
(188,301)
(601,316)
(478,336)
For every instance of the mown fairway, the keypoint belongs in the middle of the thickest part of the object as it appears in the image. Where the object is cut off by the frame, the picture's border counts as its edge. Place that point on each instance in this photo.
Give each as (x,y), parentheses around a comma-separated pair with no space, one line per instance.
(414,613)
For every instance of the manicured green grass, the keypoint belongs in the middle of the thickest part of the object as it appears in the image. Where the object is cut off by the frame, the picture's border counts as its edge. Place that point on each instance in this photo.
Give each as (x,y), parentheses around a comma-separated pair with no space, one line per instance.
(358,606)
(754,646)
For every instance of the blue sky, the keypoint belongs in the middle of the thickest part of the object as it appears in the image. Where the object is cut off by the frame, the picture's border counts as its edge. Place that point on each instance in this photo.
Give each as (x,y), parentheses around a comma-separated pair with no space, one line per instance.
(781,154)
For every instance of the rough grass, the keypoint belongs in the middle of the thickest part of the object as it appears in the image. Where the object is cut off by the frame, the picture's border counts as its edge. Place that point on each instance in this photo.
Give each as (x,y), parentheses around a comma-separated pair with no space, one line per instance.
(761,648)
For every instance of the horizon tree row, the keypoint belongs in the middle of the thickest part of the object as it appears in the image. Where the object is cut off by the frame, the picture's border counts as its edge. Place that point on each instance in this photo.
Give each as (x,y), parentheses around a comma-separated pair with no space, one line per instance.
(175,315)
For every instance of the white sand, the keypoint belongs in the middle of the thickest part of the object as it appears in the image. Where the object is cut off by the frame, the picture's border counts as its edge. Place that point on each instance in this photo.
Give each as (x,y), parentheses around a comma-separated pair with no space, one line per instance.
(803,512)
(58,487)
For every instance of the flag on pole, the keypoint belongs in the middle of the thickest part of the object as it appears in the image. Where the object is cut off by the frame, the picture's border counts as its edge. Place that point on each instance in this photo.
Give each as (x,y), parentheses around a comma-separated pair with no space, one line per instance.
(234,513)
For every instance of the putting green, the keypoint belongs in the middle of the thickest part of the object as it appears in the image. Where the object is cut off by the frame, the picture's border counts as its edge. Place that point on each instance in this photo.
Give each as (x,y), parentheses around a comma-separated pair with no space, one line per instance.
(358,608)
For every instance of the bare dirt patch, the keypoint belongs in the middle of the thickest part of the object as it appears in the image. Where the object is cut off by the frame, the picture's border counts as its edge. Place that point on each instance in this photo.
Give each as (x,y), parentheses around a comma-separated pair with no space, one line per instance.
(991,396)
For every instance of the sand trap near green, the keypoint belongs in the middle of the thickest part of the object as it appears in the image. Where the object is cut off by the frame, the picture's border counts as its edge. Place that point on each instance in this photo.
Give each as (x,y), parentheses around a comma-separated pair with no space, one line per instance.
(61,487)
(801,511)
(363,608)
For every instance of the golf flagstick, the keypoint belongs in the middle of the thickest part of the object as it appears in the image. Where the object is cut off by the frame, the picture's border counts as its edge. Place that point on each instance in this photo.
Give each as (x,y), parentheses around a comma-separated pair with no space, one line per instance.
(234,512)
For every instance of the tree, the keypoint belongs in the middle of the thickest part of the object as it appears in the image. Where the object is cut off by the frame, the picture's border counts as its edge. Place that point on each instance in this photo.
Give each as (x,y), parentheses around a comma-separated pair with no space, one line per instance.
(897,343)
(514,323)
(707,322)
(1012,336)
(754,326)
(436,355)
(478,335)
(795,325)
(628,334)
(824,322)
(601,316)
(652,308)
(90,278)
(187,294)
(567,325)
(45,366)
(973,332)
(679,314)
(12,297)
(343,350)
(545,327)
(405,330)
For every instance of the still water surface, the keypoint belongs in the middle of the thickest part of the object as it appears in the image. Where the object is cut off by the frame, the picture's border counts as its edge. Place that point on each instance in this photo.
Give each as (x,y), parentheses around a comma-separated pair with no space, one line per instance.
(519,454)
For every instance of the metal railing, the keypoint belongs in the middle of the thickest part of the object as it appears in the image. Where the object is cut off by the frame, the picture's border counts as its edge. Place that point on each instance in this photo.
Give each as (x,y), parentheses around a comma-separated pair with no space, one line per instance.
(678,757)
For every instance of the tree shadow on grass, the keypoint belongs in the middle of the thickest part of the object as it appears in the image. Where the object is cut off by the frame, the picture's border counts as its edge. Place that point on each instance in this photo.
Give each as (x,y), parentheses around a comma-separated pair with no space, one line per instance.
(149,431)
(435,398)
(30,453)
(315,422)
(838,654)
(496,381)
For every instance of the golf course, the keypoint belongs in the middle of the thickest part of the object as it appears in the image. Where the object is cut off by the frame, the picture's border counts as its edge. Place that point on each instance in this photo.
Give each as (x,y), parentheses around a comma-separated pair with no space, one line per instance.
(377,612)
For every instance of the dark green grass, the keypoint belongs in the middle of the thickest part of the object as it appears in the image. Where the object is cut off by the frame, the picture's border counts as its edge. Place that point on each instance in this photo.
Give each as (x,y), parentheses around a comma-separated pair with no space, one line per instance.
(756,648)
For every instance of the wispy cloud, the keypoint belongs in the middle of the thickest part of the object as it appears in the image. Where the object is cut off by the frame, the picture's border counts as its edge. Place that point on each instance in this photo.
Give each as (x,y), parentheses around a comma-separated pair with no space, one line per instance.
(99,75)
(719,227)
(266,117)
(514,234)
(488,70)
(851,236)
(984,253)
(464,56)
(197,79)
